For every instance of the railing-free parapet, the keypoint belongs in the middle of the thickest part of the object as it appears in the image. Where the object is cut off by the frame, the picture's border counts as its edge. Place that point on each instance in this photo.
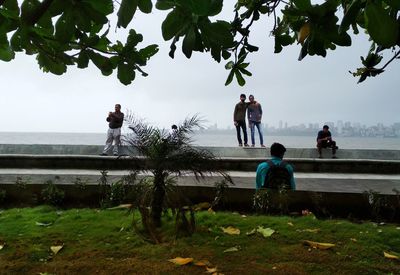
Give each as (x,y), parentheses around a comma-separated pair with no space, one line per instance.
(229,164)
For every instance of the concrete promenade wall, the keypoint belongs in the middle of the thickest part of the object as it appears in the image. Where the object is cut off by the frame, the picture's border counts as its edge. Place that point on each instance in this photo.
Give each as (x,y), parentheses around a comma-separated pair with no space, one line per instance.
(234,152)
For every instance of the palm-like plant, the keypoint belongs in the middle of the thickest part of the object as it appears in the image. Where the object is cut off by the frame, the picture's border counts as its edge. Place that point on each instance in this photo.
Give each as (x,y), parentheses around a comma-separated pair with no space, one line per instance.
(169,155)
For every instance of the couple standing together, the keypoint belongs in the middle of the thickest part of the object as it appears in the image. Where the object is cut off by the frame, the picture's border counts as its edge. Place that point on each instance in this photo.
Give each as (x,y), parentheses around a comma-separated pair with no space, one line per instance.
(254,114)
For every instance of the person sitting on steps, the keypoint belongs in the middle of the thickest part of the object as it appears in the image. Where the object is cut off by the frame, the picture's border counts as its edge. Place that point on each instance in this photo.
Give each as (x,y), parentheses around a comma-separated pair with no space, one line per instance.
(324,140)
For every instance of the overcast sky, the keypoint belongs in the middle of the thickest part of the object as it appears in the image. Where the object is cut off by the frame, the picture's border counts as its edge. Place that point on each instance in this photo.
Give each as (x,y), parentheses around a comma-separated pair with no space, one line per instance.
(314,90)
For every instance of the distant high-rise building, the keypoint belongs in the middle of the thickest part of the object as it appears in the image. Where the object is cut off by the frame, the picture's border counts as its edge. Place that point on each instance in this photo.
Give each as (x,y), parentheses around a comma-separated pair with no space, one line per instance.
(280,124)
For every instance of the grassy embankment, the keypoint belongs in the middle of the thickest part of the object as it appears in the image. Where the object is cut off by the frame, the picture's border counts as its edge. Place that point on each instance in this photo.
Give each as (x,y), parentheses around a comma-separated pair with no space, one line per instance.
(103,242)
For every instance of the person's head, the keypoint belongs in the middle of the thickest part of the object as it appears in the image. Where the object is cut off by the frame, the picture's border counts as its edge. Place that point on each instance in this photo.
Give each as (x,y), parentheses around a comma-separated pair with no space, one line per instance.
(277,150)
(174,127)
(117,107)
(242,97)
(251,98)
(325,128)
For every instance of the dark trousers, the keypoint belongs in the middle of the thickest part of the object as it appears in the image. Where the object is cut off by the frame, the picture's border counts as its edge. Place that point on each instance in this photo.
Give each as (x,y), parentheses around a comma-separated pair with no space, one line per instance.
(327,144)
(241,124)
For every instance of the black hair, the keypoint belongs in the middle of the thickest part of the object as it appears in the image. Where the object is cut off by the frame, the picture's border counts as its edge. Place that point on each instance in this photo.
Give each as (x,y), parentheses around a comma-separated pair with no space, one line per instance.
(174,126)
(325,127)
(243,95)
(277,150)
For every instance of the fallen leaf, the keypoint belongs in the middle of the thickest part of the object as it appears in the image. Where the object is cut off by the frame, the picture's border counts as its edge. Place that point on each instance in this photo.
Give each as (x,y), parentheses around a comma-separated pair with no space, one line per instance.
(353,239)
(211,269)
(56,248)
(266,232)
(391,256)
(202,263)
(291,224)
(252,232)
(121,206)
(2,245)
(231,230)
(202,206)
(43,224)
(181,261)
(231,249)
(318,245)
(211,211)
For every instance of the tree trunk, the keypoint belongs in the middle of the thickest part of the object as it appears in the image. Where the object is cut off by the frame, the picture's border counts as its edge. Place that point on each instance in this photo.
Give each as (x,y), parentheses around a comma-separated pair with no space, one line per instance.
(158,199)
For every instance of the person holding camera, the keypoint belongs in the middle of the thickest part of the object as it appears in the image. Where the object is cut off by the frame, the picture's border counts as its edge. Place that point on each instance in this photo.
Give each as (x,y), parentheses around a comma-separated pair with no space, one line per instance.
(115,120)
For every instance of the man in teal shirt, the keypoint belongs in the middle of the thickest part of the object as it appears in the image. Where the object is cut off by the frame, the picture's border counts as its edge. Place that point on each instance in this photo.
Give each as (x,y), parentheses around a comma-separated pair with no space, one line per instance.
(277,153)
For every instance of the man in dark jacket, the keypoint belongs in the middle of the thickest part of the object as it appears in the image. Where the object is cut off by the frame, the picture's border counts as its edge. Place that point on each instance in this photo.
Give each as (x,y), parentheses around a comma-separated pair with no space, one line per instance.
(115,120)
(239,119)
(324,140)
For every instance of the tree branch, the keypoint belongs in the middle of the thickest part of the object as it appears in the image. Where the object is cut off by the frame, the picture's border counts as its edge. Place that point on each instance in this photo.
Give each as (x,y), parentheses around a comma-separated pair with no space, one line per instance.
(390,61)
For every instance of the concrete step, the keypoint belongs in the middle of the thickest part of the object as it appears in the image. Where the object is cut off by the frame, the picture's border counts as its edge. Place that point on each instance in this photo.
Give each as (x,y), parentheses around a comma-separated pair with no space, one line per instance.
(317,182)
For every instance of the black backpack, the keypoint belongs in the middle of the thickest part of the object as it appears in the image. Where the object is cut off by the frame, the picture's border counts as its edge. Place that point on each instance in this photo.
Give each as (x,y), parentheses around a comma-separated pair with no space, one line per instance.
(277,176)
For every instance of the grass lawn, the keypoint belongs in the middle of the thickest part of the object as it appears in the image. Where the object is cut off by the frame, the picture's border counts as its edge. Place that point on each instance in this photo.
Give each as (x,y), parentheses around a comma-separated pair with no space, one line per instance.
(103,242)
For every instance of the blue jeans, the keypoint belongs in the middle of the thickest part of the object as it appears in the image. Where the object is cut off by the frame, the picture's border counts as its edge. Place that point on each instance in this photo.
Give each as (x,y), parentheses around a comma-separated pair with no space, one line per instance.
(256,124)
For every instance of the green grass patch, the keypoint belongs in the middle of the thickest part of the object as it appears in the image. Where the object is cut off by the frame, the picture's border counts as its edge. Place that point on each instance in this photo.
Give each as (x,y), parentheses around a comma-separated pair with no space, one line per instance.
(103,241)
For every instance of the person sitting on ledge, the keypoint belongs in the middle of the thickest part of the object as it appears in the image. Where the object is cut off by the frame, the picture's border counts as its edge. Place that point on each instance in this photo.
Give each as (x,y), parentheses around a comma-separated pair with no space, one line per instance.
(275,173)
(324,140)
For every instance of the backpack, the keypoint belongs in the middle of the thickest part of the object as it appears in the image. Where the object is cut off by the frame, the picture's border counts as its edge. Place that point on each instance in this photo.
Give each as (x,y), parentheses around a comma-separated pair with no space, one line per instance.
(277,176)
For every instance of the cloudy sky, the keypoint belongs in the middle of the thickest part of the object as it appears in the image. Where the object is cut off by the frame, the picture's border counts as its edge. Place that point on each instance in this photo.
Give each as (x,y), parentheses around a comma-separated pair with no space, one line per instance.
(314,90)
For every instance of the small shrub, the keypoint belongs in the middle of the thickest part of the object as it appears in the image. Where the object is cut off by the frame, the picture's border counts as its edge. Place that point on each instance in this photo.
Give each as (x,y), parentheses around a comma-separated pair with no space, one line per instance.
(220,193)
(262,201)
(51,194)
(80,184)
(21,183)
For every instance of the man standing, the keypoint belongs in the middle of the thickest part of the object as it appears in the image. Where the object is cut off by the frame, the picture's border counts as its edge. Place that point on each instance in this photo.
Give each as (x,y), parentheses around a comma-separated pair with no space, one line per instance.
(275,173)
(324,140)
(115,120)
(254,114)
(239,120)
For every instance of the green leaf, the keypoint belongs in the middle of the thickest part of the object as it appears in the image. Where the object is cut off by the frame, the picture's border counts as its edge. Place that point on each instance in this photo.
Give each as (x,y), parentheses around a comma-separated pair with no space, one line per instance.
(145,6)
(50,64)
(382,28)
(189,42)
(165,4)
(351,15)
(104,7)
(126,12)
(266,232)
(215,7)
(246,72)
(65,27)
(148,51)
(172,25)
(126,73)
(239,78)
(101,62)
(218,33)
(6,53)
(229,65)
(230,78)
(200,7)
(83,60)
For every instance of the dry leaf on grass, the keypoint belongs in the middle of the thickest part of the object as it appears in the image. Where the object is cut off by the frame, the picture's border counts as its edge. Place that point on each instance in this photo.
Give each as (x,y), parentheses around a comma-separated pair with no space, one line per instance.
(252,232)
(211,269)
(202,206)
(121,206)
(318,245)
(56,248)
(202,263)
(44,224)
(353,240)
(2,245)
(181,261)
(232,249)
(391,255)
(231,230)
(290,224)
(266,232)
(211,211)
(315,230)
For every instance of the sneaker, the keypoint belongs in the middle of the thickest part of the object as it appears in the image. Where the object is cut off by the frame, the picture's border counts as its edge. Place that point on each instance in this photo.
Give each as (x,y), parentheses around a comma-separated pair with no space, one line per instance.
(115,155)
(240,145)
(246,145)
(252,145)
(336,147)
(320,157)
(103,154)
(334,157)
(262,145)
